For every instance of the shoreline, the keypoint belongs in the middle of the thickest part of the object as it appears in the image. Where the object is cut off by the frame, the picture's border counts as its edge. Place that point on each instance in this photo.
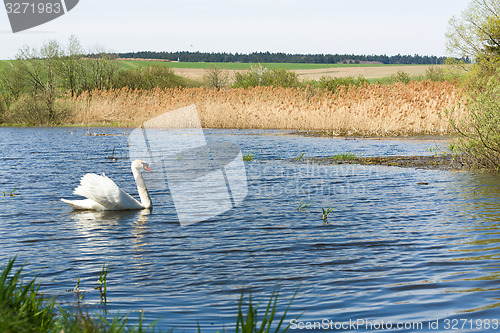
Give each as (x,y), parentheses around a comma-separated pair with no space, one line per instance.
(284,131)
(401,136)
(430,162)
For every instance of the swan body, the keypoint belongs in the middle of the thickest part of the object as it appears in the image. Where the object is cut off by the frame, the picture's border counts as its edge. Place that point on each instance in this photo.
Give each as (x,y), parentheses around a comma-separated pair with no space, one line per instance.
(103,194)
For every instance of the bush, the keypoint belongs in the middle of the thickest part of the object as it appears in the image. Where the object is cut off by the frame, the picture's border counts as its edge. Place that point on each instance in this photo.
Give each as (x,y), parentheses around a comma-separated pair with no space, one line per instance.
(435,73)
(3,108)
(37,109)
(480,132)
(333,83)
(402,76)
(263,76)
(216,77)
(149,78)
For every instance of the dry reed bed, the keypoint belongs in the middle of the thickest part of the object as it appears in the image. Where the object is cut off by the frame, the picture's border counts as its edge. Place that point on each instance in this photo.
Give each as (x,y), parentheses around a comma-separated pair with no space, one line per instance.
(397,109)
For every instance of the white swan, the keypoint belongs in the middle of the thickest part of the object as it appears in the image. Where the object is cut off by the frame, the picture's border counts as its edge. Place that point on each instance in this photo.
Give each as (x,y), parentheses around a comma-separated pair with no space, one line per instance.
(103,194)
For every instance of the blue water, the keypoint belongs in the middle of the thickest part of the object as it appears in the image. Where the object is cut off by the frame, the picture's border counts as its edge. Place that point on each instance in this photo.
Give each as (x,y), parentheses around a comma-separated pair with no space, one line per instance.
(392,250)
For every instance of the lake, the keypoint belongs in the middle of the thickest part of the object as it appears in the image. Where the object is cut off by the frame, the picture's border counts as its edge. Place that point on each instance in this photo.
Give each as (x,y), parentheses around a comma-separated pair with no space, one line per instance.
(392,250)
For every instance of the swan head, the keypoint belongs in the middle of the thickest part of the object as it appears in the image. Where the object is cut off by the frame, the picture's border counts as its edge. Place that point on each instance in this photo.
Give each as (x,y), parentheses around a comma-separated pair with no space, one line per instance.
(138,165)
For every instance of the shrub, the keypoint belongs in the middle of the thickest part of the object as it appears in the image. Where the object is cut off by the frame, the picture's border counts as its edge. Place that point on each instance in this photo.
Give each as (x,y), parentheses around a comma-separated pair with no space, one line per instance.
(3,108)
(280,77)
(216,77)
(149,78)
(263,76)
(402,76)
(333,83)
(434,73)
(37,109)
(480,131)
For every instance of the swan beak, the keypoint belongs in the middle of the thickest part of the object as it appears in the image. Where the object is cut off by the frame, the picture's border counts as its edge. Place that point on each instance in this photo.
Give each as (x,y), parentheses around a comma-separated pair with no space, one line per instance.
(147,168)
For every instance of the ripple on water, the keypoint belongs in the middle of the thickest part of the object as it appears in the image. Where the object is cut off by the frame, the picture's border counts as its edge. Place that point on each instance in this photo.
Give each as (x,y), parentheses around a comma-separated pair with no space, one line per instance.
(391,250)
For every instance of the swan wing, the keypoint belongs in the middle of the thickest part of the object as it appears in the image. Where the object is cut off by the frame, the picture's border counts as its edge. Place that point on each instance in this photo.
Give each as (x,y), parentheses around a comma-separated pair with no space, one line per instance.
(87,204)
(106,193)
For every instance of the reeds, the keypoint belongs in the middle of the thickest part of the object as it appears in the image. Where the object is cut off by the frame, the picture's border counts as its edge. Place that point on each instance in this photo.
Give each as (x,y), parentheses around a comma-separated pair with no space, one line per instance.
(326,212)
(303,206)
(371,109)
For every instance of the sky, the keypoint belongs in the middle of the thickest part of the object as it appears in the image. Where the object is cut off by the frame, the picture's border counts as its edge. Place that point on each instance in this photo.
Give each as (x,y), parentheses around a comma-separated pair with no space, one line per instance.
(292,26)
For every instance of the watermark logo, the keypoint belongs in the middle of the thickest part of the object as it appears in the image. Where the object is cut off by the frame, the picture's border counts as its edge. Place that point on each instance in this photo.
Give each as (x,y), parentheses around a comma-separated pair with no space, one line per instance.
(26,14)
(205,179)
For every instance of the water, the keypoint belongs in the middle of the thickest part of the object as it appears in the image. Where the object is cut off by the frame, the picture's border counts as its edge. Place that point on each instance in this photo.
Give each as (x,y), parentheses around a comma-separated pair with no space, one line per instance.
(393,250)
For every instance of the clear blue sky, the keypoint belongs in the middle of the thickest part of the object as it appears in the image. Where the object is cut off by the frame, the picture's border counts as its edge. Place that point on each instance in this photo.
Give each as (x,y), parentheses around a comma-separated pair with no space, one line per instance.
(292,26)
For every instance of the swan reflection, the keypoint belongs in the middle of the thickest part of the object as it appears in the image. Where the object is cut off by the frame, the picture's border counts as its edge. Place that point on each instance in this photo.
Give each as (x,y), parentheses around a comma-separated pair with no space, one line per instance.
(93,224)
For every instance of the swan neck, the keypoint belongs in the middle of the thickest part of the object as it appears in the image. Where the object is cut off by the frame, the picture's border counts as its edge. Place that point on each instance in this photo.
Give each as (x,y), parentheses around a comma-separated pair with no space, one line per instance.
(141,188)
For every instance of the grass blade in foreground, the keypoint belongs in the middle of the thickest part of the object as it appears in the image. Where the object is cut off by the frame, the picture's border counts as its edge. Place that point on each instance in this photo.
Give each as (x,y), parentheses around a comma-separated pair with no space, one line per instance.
(21,310)
(250,324)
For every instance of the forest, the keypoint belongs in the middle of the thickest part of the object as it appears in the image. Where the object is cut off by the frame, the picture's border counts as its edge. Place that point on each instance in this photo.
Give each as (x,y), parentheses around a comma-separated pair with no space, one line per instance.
(267,57)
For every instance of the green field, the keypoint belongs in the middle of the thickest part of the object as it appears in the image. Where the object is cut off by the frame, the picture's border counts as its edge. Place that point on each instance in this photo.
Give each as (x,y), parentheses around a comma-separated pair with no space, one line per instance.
(126,64)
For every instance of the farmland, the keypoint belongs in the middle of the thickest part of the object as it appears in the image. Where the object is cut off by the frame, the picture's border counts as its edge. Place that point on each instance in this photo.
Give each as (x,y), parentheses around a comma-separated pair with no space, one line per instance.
(197,70)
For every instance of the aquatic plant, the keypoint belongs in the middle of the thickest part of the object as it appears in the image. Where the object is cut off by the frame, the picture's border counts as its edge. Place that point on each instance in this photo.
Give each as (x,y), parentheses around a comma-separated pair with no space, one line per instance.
(250,322)
(300,157)
(103,283)
(77,293)
(326,212)
(303,206)
(248,157)
(114,158)
(344,156)
(9,194)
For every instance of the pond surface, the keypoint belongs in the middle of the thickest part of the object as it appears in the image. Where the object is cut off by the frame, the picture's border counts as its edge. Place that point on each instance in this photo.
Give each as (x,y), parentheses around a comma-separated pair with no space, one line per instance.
(393,250)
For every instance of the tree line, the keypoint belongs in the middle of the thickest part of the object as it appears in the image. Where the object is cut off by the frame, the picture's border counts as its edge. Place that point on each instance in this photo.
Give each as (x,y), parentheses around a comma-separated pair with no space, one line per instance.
(268,57)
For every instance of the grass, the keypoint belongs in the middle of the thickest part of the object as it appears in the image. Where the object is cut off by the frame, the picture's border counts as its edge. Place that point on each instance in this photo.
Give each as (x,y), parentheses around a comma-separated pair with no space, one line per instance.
(380,110)
(303,206)
(300,157)
(21,310)
(250,322)
(9,194)
(344,156)
(78,294)
(24,308)
(103,283)
(326,212)
(248,157)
